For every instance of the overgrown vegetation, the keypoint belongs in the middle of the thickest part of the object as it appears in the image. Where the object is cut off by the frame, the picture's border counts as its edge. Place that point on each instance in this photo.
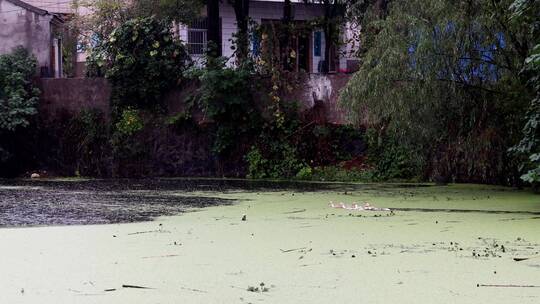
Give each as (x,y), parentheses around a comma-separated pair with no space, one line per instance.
(226,98)
(142,59)
(18,99)
(18,96)
(440,88)
(443,91)
(84,145)
(526,14)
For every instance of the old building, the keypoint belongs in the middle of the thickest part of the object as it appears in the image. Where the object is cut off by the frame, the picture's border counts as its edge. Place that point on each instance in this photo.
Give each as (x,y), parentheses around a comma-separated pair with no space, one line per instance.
(309,47)
(38,30)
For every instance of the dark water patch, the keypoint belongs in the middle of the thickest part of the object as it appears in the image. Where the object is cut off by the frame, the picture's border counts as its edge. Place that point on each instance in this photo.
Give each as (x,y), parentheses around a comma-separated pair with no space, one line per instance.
(217,185)
(185,185)
(405,186)
(519,219)
(67,204)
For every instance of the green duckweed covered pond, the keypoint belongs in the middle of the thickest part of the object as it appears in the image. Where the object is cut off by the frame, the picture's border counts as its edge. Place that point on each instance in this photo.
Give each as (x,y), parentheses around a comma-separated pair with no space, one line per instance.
(442,244)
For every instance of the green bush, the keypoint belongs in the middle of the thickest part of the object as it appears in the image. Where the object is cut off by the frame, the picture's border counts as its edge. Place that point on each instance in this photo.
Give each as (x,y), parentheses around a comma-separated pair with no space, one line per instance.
(142,58)
(336,174)
(390,159)
(86,144)
(257,164)
(306,173)
(225,96)
(281,161)
(18,100)
(18,97)
(130,122)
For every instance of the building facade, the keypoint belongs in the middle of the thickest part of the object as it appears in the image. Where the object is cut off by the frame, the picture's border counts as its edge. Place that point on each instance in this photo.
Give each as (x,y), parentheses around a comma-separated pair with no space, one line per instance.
(35,29)
(310,50)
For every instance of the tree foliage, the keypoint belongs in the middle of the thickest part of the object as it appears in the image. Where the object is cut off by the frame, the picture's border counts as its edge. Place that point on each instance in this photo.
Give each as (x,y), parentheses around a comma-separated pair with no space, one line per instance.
(226,97)
(442,79)
(18,97)
(526,13)
(107,15)
(142,59)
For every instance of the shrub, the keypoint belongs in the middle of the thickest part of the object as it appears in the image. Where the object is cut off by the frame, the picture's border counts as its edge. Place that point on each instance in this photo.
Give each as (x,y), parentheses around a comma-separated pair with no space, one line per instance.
(306,173)
(257,164)
(142,59)
(18,97)
(225,96)
(18,101)
(281,161)
(336,173)
(130,122)
(87,137)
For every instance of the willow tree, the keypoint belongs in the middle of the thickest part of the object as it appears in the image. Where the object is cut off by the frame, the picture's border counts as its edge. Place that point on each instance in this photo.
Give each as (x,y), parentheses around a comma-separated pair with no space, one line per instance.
(440,85)
(526,13)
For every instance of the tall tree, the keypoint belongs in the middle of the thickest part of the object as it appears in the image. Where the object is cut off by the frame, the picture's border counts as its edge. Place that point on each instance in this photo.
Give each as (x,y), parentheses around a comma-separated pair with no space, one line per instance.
(241,11)
(213,33)
(285,34)
(440,80)
(525,13)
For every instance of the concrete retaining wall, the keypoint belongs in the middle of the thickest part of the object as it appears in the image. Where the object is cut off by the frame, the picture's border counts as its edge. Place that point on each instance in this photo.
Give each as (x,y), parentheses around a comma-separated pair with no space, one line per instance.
(319,95)
(73,95)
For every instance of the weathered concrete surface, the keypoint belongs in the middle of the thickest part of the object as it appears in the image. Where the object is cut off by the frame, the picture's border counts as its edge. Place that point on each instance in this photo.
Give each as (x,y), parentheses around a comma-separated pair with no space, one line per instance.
(73,95)
(319,98)
(30,29)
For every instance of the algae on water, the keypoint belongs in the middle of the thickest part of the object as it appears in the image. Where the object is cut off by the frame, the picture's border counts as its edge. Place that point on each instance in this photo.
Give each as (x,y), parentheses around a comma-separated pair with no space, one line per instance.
(449,244)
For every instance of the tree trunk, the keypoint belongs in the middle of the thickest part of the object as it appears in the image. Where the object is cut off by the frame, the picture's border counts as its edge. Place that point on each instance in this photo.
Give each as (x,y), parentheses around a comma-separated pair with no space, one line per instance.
(382,8)
(328,33)
(213,33)
(241,11)
(286,35)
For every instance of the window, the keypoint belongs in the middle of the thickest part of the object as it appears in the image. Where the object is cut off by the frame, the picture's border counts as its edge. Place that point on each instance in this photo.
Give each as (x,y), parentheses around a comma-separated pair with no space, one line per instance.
(255,44)
(317,43)
(197,36)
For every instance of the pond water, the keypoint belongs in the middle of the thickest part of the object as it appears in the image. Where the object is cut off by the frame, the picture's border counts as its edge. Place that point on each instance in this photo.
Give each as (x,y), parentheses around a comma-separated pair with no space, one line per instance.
(451,244)
(82,202)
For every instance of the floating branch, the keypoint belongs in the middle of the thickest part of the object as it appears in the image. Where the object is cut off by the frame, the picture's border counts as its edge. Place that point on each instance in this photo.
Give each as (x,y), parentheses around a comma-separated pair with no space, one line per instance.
(507,285)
